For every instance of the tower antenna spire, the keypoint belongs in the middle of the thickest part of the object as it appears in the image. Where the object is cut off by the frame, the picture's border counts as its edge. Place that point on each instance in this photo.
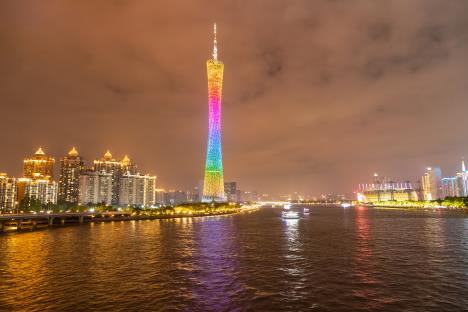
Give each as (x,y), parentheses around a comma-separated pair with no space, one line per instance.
(215,44)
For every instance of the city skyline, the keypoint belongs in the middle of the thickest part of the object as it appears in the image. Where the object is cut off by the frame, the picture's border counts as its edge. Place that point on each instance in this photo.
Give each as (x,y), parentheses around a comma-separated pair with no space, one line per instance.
(85,165)
(320,99)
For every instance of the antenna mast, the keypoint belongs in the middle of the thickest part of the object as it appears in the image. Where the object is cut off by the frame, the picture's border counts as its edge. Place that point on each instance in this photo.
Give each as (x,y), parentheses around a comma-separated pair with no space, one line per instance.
(215,44)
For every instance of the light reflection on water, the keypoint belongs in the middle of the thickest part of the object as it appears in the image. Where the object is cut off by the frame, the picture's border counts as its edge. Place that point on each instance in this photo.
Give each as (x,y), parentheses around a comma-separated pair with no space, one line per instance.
(333,260)
(294,265)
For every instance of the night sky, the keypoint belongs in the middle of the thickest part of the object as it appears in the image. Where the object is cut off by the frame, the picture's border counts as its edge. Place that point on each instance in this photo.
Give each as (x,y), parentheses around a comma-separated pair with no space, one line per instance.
(318,95)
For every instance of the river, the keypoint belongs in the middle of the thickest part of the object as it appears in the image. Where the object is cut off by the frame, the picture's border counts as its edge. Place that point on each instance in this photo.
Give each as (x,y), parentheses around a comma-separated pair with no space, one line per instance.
(335,259)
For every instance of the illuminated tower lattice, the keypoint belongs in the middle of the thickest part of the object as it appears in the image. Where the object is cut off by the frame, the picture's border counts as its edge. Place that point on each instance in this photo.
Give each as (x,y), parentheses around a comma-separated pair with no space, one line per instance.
(213,187)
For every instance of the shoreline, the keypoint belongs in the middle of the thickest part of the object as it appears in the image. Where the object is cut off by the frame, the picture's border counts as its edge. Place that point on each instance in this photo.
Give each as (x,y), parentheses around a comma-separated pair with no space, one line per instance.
(465,209)
(8,227)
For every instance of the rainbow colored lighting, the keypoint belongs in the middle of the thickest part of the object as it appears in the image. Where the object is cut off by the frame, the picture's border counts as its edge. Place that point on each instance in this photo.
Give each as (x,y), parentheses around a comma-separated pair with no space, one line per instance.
(213,187)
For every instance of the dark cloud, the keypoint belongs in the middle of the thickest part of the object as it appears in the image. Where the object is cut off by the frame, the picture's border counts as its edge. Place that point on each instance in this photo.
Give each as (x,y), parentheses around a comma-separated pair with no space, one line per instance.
(317,95)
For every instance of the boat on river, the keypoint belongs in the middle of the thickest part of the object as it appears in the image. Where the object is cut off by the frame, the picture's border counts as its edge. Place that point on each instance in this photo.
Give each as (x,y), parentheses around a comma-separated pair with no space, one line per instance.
(287,213)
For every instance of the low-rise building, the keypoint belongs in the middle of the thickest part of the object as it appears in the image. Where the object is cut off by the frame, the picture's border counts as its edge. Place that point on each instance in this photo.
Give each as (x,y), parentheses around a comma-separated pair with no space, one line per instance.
(384,190)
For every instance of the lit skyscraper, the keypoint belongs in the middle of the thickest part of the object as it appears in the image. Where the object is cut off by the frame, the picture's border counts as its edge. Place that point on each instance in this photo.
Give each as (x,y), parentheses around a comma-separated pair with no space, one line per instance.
(107,164)
(70,169)
(462,181)
(432,184)
(213,186)
(38,165)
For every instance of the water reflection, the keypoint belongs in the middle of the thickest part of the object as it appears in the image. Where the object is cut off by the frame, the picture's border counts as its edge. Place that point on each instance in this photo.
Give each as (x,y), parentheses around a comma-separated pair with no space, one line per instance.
(294,262)
(465,242)
(434,233)
(365,267)
(364,250)
(31,260)
(214,277)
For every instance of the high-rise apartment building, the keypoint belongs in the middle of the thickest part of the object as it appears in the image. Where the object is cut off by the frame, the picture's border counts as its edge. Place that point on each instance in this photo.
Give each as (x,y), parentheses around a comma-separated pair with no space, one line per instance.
(431,184)
(37,186)
(36,191)
(95,188)
(70,169)
(8,193)
(108,164)
(38,165)
(137,190)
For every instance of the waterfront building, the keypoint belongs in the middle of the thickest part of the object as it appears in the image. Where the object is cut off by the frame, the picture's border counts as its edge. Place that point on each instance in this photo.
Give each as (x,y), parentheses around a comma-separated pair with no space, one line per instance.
(230,190)
(431,184)
(248,196)
(137,190)
(213,187)
(194,196)
(109,165)
(38,165)
(70,169)
(449,187)
(160,196)
(175,197)
(8,193)
(37,191)
(462,181)
(382,189)
(95,188)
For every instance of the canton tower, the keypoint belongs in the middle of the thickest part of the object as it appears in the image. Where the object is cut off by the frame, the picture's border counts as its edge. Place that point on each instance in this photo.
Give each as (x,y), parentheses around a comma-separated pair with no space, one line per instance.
(213,186)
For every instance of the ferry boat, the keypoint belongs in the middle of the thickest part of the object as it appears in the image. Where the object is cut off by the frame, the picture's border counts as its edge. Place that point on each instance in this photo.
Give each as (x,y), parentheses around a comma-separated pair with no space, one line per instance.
(288,213)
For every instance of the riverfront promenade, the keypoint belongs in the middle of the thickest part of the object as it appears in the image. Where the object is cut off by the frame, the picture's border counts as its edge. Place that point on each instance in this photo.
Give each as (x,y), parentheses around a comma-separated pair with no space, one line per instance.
(32,222)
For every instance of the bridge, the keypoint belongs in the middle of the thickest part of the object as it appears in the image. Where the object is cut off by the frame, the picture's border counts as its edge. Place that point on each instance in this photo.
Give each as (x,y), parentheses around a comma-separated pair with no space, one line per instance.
(273,203)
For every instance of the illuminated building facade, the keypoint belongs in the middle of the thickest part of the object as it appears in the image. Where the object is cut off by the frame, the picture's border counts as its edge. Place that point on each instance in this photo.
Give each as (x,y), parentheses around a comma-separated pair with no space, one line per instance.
(95,188)
(38,165)
(431,184)
(8,193)
(462,181)
(449,187)
(70,169)
(137,190)
(382,189)
(230,189)
(37,186)
(213,186)
(456,186)
(107,164)
(36,191)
